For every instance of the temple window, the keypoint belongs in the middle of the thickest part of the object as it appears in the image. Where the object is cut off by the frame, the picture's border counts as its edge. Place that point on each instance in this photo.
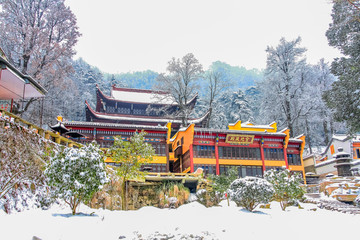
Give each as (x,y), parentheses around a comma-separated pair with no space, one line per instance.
(294,159)
(273,154)
(239,153)
(204,151)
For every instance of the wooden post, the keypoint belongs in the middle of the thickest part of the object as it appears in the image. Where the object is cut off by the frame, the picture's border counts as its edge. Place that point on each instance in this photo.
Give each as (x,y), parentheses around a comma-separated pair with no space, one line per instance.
(262,155)
(47,135)
(41,132)
(217,159)
(285,158)
(191,158)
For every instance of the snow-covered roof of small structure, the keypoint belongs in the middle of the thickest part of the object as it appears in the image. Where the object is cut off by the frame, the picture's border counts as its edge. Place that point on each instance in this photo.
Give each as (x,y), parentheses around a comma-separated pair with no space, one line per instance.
(340,137)
(327,162)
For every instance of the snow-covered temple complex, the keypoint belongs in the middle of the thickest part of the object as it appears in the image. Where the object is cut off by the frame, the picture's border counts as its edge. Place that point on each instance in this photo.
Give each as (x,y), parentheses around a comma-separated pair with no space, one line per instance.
(250,148)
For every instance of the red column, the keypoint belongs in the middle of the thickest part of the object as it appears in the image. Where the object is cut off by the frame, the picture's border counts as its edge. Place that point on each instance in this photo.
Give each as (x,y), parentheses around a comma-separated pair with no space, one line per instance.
(217,159)
(285,158)
(191,158)
(262,156)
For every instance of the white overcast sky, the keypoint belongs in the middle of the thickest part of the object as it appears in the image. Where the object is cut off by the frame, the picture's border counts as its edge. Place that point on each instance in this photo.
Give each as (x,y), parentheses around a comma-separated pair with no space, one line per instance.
(135,35)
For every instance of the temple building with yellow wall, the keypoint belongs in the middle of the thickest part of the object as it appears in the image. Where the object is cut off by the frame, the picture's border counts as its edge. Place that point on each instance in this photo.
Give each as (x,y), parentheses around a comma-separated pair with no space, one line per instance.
(252,149)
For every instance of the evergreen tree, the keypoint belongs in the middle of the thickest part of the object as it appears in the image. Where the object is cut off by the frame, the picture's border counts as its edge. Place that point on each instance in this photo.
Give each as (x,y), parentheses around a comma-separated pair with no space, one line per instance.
(287,186)
(76,174)
(343,34)
(284,85)
(130,155)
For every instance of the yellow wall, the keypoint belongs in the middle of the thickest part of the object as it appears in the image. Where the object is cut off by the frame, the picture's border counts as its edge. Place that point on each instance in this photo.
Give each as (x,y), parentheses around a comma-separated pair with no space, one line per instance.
(270,163)
(356,145)
(240,162)
(188,135)
(204,160)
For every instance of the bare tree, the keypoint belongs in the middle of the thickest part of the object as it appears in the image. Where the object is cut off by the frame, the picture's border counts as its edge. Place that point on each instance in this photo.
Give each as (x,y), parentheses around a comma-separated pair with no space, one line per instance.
(38,37)
(180,82)
(215,86)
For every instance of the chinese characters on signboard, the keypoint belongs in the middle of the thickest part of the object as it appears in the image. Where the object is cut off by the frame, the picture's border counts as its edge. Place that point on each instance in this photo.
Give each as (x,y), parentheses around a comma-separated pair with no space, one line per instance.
(239,139)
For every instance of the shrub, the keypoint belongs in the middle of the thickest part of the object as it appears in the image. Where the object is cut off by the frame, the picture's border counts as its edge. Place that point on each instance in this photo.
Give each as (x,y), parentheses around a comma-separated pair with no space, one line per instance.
(76,174)
(23,155)
(249,192)
(207,195)
(221,183)
(172,194)
(287,186)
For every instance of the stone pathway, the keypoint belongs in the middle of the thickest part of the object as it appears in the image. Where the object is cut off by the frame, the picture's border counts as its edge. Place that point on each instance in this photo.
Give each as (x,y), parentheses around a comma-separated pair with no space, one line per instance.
(333,205)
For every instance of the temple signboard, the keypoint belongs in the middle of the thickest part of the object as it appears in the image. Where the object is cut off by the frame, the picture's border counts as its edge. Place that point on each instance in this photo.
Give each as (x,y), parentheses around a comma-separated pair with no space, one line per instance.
(239,139)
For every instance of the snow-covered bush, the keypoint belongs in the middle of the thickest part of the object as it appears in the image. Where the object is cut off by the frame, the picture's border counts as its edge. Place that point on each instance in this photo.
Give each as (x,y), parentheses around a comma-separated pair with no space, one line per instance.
(357,201)
(23,154)
(287,186)
(207,195)
(76,174)
(249,192)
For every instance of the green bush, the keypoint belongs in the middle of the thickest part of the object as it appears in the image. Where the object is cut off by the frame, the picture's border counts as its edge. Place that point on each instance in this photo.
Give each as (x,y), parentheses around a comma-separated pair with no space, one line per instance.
(249,192)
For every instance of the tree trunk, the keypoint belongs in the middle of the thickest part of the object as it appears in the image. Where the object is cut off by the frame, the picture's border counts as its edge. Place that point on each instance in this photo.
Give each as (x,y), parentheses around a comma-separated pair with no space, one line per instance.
(288,108)
(283,205)
(308,135)
(123,195)
(209,117)
(326,132)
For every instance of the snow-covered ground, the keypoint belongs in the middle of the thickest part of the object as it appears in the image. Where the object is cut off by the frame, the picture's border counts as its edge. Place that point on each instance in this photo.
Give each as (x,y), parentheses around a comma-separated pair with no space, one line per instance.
(188,221)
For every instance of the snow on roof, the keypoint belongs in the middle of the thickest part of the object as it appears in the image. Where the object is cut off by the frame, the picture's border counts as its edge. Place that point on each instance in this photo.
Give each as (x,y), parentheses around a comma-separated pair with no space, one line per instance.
(115,125)
(327,162)
(248,124)
(225,131)
(340,137)
(136,96)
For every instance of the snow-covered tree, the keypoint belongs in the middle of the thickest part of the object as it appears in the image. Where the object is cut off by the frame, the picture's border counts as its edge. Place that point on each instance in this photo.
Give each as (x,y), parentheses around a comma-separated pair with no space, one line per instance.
(180,82)
(285,78)
(76,174)
(38,37)
(130,155)
(287,186)
(230,107)
(344,34)
(215,84)
(249,192)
